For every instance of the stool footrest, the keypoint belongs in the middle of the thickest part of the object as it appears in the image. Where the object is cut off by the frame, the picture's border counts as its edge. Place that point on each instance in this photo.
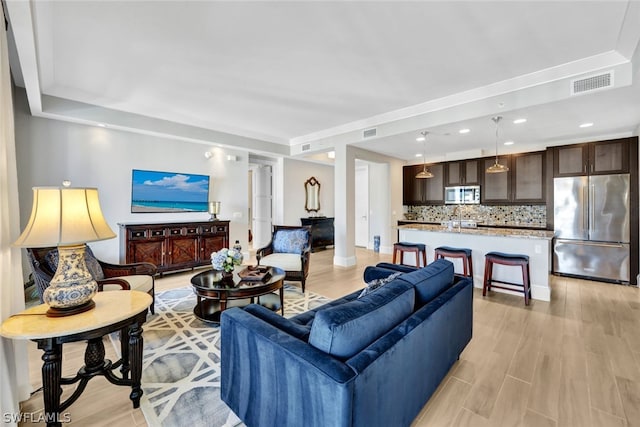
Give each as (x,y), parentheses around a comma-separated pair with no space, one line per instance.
(505,283)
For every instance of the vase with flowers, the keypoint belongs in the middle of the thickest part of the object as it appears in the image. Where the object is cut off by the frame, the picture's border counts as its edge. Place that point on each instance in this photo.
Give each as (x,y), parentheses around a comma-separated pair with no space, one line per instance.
(225,261)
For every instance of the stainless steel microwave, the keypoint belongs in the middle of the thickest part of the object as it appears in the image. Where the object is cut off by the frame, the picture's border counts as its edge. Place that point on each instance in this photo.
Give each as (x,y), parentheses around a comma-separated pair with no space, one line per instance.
(462,195)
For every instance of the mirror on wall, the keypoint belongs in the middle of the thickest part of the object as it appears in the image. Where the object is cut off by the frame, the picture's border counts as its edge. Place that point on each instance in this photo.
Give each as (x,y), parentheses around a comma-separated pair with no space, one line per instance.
(312,195)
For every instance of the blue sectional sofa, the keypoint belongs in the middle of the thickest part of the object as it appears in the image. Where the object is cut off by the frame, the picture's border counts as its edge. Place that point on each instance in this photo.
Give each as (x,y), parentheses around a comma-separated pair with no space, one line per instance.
(369,361)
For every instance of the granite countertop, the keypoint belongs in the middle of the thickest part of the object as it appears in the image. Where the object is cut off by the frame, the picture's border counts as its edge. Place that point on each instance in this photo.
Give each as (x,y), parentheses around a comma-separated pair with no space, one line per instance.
(526,233)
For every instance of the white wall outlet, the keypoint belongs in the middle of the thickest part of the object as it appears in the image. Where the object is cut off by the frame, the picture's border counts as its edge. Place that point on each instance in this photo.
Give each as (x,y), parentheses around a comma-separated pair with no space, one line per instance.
(537,249)
(237,215)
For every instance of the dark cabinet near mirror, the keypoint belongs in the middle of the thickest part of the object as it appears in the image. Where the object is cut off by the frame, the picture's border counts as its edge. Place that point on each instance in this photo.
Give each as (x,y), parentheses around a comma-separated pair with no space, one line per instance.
(322,231)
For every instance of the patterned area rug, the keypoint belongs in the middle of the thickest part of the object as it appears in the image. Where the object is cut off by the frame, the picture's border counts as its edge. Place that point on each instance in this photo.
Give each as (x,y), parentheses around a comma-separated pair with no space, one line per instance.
(181,364)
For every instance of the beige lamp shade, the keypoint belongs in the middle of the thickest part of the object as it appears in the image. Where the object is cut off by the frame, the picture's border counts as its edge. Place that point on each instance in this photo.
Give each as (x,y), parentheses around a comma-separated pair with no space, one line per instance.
(64,216)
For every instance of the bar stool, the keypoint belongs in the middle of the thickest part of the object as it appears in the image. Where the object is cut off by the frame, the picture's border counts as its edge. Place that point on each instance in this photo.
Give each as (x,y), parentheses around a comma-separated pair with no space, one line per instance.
(416,248)
(506,259)
(463,253)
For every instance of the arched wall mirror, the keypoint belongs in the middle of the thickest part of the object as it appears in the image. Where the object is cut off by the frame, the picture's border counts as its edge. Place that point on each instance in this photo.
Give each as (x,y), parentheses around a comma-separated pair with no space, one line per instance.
(312,195)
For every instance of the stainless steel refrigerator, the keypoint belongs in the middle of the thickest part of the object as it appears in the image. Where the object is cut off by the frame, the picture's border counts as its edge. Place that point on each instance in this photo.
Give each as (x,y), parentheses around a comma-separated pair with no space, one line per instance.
(591,221)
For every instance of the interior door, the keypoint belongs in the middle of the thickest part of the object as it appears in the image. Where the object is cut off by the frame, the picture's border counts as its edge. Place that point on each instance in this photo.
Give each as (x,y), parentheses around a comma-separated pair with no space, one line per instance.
(262,203)
(362,204)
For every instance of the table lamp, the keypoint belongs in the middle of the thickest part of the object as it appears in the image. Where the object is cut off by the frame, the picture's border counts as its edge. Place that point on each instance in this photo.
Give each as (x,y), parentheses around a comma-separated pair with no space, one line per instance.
(214,210)
(66,218)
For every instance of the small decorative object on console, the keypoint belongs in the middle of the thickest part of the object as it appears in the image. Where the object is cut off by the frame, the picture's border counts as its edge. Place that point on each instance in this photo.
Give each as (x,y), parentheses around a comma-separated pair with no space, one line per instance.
(226,259)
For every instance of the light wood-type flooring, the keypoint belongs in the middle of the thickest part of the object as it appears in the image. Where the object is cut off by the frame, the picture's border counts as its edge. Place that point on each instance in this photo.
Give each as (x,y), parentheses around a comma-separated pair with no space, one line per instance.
(572,362)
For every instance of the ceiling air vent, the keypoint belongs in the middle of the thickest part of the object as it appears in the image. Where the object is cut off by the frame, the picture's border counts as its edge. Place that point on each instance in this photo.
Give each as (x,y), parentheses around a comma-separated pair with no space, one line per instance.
(588,84)
(306,147)
(368,133)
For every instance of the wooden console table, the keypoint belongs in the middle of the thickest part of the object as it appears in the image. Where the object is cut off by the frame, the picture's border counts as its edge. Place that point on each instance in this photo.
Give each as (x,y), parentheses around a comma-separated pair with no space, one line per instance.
(174,245)
(123,311)
(322,231)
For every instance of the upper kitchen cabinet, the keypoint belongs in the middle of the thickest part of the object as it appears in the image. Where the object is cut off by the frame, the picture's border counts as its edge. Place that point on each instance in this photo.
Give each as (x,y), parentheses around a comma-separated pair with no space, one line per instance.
(594,158)
(413,189)
(423,191)
(524,183)
(435,185)
(497,186)
(464,172)
(527,177)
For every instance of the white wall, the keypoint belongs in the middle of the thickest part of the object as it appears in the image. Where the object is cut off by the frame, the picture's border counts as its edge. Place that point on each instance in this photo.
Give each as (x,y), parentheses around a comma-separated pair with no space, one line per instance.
(296,172)
(49,151)
(385,205)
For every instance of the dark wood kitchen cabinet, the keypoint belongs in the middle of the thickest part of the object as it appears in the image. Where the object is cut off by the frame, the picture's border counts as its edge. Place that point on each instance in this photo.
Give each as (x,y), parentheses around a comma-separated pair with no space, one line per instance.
(413,189)
(172,246)
(528,178)
(593,158)
(497,186)
(463,172)
(423,191)
(523,183)
(435,186)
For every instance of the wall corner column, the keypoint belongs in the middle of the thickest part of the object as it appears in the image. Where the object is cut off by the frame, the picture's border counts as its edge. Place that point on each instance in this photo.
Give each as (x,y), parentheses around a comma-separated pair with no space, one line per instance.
(344,222)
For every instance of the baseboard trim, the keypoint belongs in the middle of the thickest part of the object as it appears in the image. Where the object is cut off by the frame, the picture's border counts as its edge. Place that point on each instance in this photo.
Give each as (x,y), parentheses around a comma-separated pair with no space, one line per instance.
(345,261)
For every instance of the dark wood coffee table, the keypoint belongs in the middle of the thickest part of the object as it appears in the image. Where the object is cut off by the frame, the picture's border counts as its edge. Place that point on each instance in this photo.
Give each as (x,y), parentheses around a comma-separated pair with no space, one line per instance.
(214,296)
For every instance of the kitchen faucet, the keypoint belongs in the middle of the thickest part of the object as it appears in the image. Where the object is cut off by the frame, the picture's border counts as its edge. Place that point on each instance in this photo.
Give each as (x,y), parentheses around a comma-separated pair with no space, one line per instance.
(458,210)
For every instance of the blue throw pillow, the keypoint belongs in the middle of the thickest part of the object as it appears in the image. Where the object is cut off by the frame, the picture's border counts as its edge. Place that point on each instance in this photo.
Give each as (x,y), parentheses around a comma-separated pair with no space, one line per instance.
(52,258)
(290,241)
(377,283)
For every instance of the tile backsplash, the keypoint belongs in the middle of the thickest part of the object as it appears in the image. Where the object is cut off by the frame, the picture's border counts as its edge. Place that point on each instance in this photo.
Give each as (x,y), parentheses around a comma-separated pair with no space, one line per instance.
(525,215)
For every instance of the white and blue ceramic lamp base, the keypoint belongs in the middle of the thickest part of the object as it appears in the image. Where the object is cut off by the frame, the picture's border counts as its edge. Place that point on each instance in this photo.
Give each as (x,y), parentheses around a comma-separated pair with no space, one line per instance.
(72,287)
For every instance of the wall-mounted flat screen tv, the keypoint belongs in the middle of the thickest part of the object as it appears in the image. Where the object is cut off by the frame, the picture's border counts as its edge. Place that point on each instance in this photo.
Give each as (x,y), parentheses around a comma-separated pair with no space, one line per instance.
(153,191)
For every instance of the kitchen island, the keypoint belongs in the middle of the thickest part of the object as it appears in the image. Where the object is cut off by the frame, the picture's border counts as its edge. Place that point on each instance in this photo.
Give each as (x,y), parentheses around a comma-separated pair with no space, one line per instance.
(534,243)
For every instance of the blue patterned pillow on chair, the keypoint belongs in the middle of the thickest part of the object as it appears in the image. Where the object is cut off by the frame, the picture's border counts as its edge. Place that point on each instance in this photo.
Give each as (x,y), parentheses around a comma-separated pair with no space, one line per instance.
(290,241)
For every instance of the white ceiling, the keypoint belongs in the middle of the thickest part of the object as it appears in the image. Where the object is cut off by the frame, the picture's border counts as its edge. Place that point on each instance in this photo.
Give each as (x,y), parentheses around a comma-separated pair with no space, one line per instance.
(267,75)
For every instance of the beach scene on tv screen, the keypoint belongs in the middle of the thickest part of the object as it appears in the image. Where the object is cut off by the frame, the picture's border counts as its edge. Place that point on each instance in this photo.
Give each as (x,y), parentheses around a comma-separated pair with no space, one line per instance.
(154,191)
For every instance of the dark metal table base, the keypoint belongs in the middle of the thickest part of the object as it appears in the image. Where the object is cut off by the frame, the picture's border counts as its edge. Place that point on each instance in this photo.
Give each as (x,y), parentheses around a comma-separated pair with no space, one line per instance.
(130,365)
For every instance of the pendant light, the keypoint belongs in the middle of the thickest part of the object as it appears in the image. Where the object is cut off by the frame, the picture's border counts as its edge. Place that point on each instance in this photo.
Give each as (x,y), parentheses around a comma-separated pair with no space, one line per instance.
(497,167)
(424,173)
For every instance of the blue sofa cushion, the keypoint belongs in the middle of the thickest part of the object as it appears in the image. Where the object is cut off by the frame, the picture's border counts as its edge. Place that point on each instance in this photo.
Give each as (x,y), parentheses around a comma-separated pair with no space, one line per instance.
(430,281)
(344,330)
(290,241)
(294,329)
(375,284)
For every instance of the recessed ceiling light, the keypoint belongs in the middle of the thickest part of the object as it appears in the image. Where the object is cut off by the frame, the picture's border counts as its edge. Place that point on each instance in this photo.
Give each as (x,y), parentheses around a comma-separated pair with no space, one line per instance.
(518,121)
(586,125)
(419,155)
(102,125)
(464,130)
(420,138)
(508,143)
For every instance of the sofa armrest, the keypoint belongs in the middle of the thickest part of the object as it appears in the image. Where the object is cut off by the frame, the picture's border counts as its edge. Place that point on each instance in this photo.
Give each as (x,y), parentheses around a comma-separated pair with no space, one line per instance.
(282,323)
(293,382)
